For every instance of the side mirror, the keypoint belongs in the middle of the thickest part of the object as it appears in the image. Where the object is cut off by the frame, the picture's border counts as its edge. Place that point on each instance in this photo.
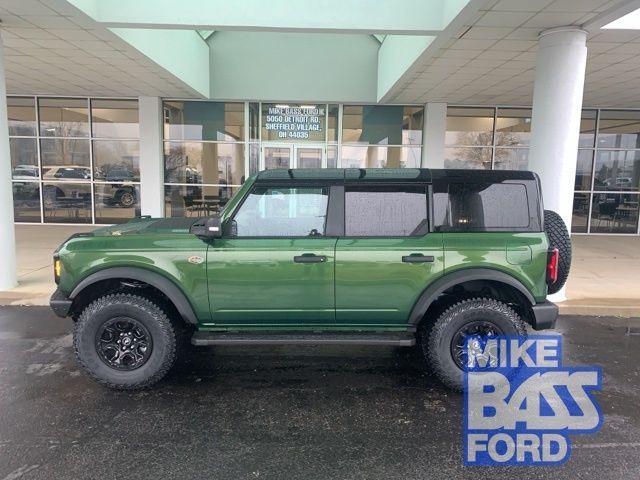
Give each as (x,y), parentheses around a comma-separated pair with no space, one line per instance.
(207,228)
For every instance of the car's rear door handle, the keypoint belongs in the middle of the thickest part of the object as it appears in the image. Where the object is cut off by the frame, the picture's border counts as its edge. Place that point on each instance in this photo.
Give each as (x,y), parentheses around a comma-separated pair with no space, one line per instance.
(417,258)
(310,258)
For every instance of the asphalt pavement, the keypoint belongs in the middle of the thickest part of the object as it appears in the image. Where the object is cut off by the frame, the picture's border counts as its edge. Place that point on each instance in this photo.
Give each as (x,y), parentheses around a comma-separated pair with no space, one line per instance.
(281,412)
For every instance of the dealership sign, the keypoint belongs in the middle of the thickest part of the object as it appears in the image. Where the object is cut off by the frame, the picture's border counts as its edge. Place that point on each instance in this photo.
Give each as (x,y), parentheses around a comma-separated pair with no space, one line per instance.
(521,403)
(284,122)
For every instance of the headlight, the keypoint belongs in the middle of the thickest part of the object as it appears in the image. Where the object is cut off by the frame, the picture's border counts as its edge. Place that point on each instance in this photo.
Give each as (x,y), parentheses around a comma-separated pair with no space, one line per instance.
(57,269)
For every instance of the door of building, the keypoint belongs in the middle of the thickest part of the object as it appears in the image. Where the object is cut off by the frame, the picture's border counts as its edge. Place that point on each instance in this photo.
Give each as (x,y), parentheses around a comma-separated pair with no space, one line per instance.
(287,155)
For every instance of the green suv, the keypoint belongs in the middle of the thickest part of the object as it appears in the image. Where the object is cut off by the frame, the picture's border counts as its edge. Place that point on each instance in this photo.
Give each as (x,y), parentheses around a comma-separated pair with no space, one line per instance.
(389,257)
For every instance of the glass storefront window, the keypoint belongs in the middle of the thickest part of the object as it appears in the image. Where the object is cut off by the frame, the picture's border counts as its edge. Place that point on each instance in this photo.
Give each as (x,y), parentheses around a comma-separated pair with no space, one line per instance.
(26,201)
(254,158)
(513,127)
(469,126)
(332,156)
(116,160)
(617,170)
(196,200)
(24,158)
(468,157)
(64,152)
(294,122)
(587,129)
(614,213)
(332,122)
(619,129)
(196,120)
(355,156)
(210,163)
(21,113)
(580,215)
(115,118)
(66,202)
(583,170)
(254,115)
(511,159)
(116,203)
(64,117)
(382,124)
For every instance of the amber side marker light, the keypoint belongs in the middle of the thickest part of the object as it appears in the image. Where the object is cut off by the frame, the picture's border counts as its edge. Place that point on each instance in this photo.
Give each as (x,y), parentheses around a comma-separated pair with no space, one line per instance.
(57,269)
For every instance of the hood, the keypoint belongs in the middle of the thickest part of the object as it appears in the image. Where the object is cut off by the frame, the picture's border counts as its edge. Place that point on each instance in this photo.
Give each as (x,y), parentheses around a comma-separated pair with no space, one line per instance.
(148,225)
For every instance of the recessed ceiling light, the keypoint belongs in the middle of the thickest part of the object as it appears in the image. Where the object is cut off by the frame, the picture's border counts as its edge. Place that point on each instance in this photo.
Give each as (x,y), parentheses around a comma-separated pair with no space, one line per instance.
(630,21)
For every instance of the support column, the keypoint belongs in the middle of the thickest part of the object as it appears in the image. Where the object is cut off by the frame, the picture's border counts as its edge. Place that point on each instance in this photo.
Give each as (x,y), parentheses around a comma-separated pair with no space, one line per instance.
(557,109)
(151,157)
(433,133)
(555,122)
(8,276)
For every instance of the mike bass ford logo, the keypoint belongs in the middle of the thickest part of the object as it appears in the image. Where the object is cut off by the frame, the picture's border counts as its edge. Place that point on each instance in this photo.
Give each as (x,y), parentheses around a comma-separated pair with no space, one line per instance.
(521,404)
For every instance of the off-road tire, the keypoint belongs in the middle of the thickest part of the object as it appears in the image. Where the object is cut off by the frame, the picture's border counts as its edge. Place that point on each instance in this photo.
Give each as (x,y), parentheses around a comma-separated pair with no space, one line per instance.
(437,336)
(145,311)
(559,238)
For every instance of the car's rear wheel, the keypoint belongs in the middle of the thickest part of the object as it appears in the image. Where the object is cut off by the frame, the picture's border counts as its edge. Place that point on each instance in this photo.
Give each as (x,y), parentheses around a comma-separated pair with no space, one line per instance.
(126,198)
(443,342)
(125,341)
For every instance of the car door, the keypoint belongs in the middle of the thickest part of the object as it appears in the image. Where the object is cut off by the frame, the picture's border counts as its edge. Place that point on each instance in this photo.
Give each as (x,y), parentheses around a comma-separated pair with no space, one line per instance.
(387,256)
(275,262)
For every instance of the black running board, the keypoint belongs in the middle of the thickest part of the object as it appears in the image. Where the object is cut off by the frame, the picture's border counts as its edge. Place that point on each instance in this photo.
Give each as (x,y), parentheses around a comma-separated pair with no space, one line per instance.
(379,339)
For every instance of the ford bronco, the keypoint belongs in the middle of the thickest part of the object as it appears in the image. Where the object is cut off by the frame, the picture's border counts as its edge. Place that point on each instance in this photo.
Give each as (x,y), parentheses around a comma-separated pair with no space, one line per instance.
(393,257)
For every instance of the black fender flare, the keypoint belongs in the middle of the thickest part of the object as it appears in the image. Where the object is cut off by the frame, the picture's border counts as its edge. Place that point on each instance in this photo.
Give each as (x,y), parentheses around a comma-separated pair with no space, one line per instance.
(156,280)
(433,291)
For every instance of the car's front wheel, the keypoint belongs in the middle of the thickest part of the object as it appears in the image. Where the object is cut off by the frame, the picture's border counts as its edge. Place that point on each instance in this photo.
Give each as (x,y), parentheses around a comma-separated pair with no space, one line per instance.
(443,342)
(125,341)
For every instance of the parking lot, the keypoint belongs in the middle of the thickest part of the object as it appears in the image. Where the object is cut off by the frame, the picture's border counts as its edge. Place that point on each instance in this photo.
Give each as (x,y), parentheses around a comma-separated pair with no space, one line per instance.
(279,412)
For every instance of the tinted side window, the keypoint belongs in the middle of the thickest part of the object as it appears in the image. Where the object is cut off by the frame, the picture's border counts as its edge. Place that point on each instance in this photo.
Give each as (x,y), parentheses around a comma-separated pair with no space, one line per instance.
(487,206)
(282,212)
(385,210)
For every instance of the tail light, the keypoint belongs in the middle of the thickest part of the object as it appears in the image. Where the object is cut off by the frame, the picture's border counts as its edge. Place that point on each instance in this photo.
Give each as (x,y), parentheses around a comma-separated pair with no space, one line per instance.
(553,259)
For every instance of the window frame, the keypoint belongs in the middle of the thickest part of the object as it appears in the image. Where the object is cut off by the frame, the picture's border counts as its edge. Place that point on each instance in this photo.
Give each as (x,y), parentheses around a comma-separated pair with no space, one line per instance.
(331,224)
(429,208)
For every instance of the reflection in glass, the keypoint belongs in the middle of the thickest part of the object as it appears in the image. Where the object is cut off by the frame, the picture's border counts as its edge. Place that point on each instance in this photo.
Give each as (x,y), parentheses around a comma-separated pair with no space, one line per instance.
(116,203)
(282,212)
(617,170)
(197,120)
(63,117)
(332,121)
(469,126)
(26,201)
(587,129)
(382,124)
(24,158)
(468,157)
(619,129)
(580,213)
(115,118)
(276,157)
(254,158)
(614,213)
(196,162)
(354,156)
(254,120)
(116,160)
(67,152)
(332,156)
(511,159)
(196,200)
(513,127)
(583,170)
(310,157)
(66,202)
(21,112)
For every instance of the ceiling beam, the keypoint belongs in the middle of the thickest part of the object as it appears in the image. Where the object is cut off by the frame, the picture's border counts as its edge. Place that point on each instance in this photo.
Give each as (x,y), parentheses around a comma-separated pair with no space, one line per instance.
(399,17)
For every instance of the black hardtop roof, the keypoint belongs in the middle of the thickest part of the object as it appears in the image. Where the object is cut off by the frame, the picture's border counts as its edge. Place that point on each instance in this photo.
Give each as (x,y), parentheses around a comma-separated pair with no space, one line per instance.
(403,175)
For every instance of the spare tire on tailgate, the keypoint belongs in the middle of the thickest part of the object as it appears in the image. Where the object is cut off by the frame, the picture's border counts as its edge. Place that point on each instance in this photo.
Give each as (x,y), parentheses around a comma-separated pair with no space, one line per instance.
(559,238)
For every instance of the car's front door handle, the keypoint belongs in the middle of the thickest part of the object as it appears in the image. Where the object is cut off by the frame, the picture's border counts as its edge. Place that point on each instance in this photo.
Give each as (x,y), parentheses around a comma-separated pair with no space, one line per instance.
(310,258)
(417,258)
